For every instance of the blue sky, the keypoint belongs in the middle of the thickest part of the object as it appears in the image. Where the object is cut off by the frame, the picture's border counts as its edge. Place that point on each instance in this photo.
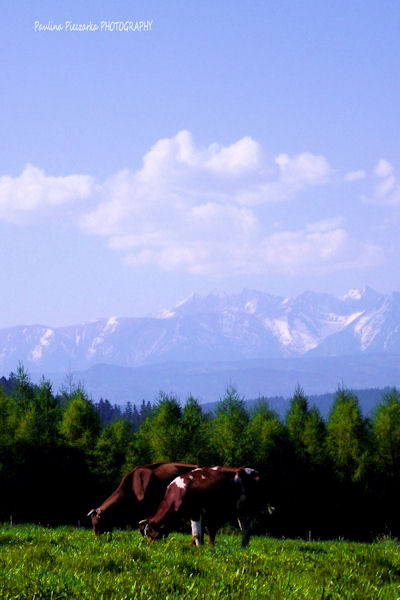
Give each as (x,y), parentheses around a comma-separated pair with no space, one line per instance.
(235,144)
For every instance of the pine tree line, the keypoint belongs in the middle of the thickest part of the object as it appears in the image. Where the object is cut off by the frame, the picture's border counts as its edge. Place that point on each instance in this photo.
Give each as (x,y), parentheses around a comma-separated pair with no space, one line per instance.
(61,455)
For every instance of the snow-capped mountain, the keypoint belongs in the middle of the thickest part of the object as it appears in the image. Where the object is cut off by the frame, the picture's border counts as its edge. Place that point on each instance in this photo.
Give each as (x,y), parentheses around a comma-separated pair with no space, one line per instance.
(218,327)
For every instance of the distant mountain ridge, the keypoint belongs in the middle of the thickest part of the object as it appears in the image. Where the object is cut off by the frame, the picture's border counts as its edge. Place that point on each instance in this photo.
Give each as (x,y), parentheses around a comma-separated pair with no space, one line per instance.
(208,381)
(218,327)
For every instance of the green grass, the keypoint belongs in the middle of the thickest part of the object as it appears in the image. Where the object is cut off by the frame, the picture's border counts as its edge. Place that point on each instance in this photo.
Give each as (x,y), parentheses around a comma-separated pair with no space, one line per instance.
(38,563)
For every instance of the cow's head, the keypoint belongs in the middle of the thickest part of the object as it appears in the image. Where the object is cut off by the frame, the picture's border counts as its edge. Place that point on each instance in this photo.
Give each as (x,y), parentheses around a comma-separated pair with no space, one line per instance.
(248,480)
(254,494)
(151,531)
(143,525)
(99,523)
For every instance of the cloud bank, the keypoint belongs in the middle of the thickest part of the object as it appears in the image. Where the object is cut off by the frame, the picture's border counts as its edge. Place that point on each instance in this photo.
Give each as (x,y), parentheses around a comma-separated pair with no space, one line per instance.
(205,210)
(34,191)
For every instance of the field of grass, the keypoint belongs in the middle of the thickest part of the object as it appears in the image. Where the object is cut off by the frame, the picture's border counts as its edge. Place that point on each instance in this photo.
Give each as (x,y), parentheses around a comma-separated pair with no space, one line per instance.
(40,563)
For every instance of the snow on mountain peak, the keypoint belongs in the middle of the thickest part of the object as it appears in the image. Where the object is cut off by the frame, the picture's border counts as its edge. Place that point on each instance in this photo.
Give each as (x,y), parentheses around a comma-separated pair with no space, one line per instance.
(355,294)
(250,307)
(111,325)
(218,327)
(44,342)
(164,313)
(364,293)
(191,296)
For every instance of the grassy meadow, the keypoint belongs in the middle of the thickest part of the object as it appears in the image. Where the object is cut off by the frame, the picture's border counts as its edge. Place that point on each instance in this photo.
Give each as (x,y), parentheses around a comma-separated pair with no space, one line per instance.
(40,563)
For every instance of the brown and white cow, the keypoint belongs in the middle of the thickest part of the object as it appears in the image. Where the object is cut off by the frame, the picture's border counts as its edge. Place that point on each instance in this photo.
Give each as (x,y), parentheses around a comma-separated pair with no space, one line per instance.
(208,497)
(138,495)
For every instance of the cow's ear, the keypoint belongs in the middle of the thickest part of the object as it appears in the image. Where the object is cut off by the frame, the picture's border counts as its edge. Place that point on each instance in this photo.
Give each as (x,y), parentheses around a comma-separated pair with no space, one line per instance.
(248,472)
(141,479)
(240,474)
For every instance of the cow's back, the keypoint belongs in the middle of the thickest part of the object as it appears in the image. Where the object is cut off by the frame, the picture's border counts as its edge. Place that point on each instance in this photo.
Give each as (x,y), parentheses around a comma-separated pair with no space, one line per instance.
(212,488)
(157,479)
(166,472)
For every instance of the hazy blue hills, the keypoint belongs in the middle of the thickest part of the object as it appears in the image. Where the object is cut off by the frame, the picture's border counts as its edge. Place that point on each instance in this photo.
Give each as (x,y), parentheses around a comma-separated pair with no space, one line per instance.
(208,381)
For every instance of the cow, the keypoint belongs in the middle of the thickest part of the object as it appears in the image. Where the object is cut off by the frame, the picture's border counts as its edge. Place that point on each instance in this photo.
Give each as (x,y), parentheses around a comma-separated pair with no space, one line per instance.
(138,495)
(207,497)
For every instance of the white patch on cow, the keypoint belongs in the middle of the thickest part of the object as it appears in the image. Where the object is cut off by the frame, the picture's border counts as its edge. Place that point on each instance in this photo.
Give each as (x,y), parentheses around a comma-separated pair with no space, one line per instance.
(203,476)
(215,468)
(249,471)
(190,476)
(196,531)
(180,482)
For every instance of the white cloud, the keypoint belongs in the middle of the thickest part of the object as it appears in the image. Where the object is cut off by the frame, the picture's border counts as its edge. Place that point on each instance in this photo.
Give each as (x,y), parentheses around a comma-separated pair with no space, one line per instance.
(387,189)
(325,225)
(177,178)
(318,247)
(292,175)
(34,190)
(235,159)
(383,168)
(196,208)
(171,156)
(200,209)
(355,175)
(303,169)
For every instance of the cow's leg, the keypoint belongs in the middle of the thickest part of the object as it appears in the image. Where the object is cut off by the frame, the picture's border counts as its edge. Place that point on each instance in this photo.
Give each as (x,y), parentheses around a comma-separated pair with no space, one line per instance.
(211,528)
(211,532)
(197,532)
(245,528)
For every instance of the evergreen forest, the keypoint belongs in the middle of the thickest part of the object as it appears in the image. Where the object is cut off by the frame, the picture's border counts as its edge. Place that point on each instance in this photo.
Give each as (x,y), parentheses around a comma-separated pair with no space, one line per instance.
(334,477)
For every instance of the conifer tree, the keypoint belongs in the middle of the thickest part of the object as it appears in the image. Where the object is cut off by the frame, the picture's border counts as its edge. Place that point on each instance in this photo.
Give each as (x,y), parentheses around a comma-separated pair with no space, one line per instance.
(228,435)
(80,424)
(111,451)
(266,437)
(195,434)
(128,413)
(296,418)
(314,438)
(386,438)
(8,420)
(386,434)
(23,389)
(139,450)
(164,430)
(46,415)
(347,437)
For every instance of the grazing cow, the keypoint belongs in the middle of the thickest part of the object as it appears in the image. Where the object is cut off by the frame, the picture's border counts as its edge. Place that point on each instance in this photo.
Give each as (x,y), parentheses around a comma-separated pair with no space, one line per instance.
(207,496)
(138,495)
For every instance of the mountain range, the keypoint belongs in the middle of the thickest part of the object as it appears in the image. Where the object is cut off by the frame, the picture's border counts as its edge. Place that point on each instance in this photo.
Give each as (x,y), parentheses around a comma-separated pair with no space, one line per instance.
(313,336)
